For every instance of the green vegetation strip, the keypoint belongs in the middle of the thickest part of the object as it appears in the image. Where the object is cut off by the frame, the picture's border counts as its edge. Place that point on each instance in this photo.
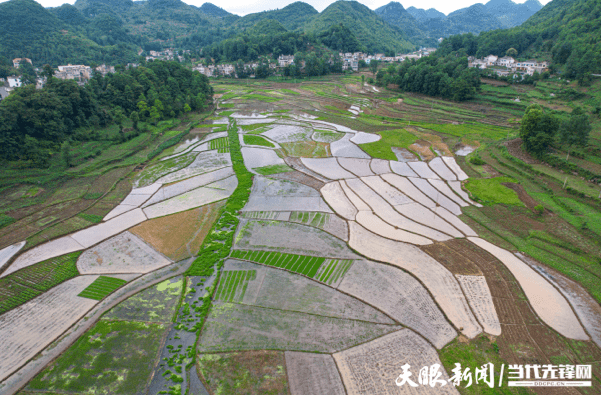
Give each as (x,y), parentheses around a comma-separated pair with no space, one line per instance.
(301,264)
(382,148)
(216,246)
(491,191)
(273,169)
(102,287)
(251,139)
(233,284)
(221,145)
(22,286)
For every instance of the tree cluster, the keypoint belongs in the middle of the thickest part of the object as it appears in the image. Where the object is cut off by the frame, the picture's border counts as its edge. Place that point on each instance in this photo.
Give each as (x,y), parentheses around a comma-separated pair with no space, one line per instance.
(34,123)
(435,75)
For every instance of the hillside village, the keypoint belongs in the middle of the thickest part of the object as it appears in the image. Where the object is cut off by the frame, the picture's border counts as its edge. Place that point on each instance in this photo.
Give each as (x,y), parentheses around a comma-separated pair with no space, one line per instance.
(503,66)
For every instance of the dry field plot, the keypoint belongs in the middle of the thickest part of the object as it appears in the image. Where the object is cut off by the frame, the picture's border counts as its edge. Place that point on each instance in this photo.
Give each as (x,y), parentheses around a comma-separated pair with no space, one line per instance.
(436,196)
(125,253)
(338,200)
(299,177)
(422,170)
(548,303)
(452,164)
(402,169)
(313,374)
(290,238)
(179,236)
(233,326)
(359,167)
(372,368)
(364,138)
(478,295)
(380,166)
(327,167)
(439,281)
(401,297)
(31,327)
(439,167)
(95,234)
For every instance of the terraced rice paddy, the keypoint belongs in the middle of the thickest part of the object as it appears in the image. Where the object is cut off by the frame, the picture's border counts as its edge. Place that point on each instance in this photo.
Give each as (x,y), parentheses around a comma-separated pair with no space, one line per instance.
(313,243)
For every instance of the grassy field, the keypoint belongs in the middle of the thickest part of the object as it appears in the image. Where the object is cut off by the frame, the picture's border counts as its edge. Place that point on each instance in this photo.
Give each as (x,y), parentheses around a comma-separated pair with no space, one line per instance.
(257,140)
(102,287)
(391,138)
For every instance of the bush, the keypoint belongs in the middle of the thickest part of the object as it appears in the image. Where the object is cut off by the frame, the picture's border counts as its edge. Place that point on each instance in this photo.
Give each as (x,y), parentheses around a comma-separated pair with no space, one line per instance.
(539,209)
(476,160)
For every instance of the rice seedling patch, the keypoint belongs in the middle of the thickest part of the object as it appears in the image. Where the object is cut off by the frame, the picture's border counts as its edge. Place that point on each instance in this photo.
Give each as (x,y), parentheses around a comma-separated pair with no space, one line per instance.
(221,145)
(112,357)
(154,304)
(250,372)
(152,173)
(102,287)
(326,136)
(382,149)
(257,140)
(232,326)
(489,191)
(95,219)
(302,264)
(291,238)
(233,284)
(272,169)
(333,270)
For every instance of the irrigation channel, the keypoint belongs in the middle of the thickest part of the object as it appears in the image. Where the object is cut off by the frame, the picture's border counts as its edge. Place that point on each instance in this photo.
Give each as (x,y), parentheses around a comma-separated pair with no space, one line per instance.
(176,373)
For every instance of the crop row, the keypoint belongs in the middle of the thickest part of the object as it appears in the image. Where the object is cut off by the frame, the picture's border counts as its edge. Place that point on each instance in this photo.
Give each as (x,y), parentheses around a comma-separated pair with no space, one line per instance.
(334,270)
(272,169)
(22,286)
(302,264)
(102,287)
(233,284)
(221,144)
(317,220)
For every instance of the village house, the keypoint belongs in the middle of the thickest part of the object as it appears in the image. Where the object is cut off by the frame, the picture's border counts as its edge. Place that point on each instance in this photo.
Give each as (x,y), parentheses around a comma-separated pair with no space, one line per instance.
(491,60)
(77,72)
(104,69)
(285,60)
(505,61)
(13,81)
(18,61)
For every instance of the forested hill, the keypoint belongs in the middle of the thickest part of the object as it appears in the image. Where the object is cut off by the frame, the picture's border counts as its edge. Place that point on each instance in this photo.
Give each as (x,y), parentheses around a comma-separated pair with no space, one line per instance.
(566,31)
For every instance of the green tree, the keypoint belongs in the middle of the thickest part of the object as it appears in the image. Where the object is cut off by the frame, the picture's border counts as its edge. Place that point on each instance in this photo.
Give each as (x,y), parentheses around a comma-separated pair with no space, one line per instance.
(119,117)
(48,72)
(512,52)
(66,153)
(537,129)
(575,130)
(135,118)
(155,114)
(373,66)
(187,108)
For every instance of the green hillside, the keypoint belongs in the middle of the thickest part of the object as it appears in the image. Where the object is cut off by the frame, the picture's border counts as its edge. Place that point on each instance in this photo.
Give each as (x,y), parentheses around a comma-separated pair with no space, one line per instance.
(396,15)
(371,30)
(293,17)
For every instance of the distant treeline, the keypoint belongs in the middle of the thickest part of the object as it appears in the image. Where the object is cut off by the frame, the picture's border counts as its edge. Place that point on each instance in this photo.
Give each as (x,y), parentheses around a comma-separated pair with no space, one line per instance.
(35,122)
(435,75)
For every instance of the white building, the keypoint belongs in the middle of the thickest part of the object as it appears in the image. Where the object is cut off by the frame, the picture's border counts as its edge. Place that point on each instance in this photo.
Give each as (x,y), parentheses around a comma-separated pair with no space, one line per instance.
(285,60)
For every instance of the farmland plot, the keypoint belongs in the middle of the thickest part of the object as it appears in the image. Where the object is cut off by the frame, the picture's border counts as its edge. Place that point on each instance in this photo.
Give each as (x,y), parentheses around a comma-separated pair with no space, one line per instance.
(387,191)
(372,368)
(95,234)
(198,197)
(359,167)
(548,303)
(439,167)
(400,296)
(250,373)
(114,357)
(345,148)
(439,281)
(452,164)
(420,214)
(330,223)
(380,166)
(402,169)
(124,253)
(49,250)
(188,185)
(158,171)
(269,194)
(286,291)
(422,169)
(302,264)
(205,162)
(456,186)
(9,252)
(375,224)
(326,136)
(364,138)
(233,326)
(444,188)
(313,374)
(478,295)
(290,238)
(133,200)
(327,167)
(436,196)
(404,185)
(288,133)
(455,221)
(154,304)
(29,328)
(333,271)
(260,157)
(179,236)
(337,199)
